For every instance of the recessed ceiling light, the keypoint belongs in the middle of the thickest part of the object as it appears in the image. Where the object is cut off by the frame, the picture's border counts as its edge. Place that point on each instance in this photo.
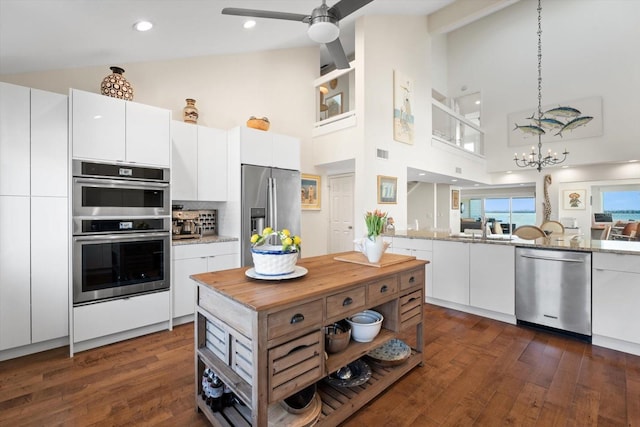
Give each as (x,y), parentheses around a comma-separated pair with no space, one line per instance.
(632,161)
(422,174)
(477,102)
(476,185)
(509,171)
(142,26)
(565,167)
(454,180)
(249,24)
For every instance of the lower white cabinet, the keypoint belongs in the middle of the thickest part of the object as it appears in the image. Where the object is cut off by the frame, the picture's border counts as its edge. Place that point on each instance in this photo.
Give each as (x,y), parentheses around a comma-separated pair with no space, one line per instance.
(451,271)
(197,258)
(111,317)
(616,293)
(492,277)
(422,249)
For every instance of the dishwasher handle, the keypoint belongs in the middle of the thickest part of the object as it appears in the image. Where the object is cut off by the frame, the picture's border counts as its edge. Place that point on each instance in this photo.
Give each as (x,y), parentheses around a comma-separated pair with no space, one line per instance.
(553,259)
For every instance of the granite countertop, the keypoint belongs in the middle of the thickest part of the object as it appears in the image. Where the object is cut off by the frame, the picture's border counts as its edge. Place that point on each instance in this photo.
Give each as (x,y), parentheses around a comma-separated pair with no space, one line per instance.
(204,239)
(568,242)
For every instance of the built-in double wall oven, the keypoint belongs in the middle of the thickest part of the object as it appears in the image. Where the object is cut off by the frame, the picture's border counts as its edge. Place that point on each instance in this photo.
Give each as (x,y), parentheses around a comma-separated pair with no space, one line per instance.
(121,230)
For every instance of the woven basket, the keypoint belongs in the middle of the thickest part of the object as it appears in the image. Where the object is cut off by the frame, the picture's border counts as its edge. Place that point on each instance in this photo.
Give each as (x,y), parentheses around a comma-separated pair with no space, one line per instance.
(272,261)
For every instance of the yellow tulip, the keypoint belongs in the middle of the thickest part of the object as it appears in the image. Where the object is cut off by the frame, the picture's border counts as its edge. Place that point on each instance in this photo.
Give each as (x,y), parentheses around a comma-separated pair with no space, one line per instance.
(286,232)
(267,230)
(254,238)
(288,241)
(297,240)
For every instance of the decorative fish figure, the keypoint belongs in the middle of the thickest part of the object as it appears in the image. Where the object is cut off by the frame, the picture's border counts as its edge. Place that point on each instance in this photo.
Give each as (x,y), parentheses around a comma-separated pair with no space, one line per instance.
(533,130)
(547,123)
(580,121)
(562,112)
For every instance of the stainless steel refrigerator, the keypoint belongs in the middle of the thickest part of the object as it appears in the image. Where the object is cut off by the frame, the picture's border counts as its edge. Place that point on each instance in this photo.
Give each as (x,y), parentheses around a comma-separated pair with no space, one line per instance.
(270,198)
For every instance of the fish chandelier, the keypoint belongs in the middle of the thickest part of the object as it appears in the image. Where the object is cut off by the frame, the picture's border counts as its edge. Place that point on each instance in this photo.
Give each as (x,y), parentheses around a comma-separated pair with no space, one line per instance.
(537,159)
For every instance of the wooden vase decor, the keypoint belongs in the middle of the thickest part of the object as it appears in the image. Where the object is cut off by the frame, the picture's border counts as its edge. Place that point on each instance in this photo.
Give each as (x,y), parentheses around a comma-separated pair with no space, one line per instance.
(116,85)
(260,123)
(190,112)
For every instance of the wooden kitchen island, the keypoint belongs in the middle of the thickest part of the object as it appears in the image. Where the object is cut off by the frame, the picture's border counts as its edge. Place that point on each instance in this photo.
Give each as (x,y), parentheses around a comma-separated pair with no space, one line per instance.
(265,339)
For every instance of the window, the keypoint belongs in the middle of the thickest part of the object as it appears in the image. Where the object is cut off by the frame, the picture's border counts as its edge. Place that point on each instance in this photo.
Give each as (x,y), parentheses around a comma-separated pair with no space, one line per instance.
(506,210)
(622,205)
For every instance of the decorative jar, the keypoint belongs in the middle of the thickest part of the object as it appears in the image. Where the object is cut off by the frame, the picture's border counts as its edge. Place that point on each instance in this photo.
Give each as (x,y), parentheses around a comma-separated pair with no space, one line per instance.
(190,112)
(260,123)
(116,85)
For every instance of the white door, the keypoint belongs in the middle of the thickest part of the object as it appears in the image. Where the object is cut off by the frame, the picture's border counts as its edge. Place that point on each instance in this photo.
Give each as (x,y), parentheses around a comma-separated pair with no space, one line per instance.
(341,212)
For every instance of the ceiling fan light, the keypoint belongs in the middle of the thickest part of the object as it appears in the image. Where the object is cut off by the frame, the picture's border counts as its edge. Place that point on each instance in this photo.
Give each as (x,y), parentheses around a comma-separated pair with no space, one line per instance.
(323,32)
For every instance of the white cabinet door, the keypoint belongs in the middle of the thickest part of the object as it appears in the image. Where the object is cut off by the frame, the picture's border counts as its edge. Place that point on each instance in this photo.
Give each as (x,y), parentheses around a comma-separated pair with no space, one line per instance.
(14,140)
(223,262)
(615,304)
(148,135)
(49,268)
(422,249)
(212,164)
(184,169)
(492,277)
(98,126)
(451,271)
(184,289)
(49,144)
(15,285)
(256,147)
(286,152)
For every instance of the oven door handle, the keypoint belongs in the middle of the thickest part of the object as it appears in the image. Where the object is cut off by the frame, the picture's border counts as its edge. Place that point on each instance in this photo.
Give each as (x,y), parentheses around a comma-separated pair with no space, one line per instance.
(113,237)
(120,182)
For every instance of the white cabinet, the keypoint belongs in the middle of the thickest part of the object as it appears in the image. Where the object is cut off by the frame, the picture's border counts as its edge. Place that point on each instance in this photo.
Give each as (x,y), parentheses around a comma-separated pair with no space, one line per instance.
(492,277)
(616,293)
(34,241)
(199,162)
(265,148)
(111,129)
(198,258)
(451,271)
(421,249)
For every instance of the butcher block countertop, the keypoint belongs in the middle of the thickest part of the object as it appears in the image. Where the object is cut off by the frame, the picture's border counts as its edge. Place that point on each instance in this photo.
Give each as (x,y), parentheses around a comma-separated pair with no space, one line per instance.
(325,274)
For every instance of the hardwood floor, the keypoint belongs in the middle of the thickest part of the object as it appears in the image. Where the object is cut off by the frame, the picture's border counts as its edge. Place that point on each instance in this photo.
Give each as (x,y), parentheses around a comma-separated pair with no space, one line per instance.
(477,372)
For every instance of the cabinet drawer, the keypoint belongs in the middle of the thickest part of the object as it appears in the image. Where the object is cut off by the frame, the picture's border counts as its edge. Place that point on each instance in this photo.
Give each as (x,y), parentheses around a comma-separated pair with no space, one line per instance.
(411,309)
(345,302)
(413,278)
(295,319)
(294,365)
(382,290)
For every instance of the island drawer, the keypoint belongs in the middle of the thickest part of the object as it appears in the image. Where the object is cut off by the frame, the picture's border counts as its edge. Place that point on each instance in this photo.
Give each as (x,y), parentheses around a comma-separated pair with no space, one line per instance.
(295,319)
(411,309)
(344,303)
(382,290)
(413,278)
(295,365)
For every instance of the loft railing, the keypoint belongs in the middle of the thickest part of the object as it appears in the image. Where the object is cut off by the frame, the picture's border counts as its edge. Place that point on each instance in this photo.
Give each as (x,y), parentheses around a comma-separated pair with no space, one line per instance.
(451,128)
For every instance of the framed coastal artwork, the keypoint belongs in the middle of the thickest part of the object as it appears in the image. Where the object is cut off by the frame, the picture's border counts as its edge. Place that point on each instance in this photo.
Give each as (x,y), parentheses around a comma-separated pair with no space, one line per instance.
(310,192)
(574,199)
(334,104)
(387,189)
(455,199)
(402,108)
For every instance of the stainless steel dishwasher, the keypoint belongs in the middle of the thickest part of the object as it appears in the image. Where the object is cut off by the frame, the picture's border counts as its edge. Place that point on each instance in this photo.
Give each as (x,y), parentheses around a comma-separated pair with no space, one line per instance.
(553,288)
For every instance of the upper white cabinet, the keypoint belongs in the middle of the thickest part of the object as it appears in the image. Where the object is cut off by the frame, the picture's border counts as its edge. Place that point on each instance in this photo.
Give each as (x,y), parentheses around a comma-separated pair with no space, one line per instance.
(33,180)
(111,129)
(266,148)
(199,162)
(15,137)
(492,277)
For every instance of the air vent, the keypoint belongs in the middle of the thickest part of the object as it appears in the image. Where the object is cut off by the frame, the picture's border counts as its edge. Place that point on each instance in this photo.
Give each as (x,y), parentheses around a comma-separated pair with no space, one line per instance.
(383,154)
(458,170)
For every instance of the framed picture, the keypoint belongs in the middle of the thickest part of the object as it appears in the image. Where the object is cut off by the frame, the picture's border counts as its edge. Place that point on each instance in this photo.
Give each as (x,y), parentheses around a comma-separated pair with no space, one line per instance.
(455,199)
(334,104)
(402,110)
(310,192)
(387,189)
(574,199)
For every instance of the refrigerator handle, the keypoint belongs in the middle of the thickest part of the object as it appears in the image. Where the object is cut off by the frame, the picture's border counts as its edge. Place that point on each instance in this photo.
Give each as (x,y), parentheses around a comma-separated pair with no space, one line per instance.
(270,209)
(274,203)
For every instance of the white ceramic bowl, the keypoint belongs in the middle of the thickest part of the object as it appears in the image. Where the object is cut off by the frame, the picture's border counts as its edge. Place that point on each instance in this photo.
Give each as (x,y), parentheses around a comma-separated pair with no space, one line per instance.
(271,261)
(365,325)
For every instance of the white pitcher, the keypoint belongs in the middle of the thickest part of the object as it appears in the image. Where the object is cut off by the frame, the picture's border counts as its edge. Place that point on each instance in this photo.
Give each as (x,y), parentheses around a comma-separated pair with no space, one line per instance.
(372,249)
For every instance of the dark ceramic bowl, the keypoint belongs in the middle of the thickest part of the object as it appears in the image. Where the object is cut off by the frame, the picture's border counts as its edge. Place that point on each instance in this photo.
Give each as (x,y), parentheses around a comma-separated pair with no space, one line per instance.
(300,402)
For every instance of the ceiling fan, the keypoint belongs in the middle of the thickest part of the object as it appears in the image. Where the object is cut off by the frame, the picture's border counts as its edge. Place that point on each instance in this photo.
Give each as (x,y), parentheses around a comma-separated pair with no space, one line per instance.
(323,23)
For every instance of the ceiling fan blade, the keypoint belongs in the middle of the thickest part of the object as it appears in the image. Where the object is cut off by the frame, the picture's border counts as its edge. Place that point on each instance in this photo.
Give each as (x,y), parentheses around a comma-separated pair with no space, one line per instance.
(265,14)
(337,53)
(347,7)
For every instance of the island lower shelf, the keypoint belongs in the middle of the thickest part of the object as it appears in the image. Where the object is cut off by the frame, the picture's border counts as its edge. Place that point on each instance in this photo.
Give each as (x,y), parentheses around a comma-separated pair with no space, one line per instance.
(338,403)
